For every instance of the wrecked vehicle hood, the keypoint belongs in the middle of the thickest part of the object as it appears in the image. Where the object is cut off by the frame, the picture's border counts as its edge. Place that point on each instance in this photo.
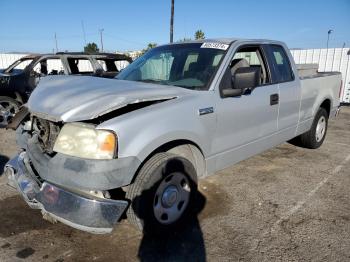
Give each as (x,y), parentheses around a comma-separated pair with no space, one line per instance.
(77,98)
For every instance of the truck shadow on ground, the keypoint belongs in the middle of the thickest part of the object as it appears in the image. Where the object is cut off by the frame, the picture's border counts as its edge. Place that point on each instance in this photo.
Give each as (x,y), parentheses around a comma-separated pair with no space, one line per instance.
(182,243)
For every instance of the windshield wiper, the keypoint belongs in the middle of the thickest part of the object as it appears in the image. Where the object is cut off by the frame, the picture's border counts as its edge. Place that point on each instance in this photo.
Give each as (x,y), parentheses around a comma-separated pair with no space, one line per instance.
(190,87)
(157,81)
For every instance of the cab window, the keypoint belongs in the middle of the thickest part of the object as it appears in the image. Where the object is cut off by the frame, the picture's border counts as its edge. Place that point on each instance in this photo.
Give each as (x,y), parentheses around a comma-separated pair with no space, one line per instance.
(281,64)
(251,56)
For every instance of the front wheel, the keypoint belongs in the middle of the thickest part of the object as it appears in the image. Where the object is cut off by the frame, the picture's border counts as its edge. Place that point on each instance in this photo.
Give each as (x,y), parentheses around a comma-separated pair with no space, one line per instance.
(8,108)
(162,193)
(315,136)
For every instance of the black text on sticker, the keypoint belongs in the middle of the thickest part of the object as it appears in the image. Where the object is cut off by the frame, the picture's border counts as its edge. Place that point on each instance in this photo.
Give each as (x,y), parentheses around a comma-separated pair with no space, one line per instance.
(215,45)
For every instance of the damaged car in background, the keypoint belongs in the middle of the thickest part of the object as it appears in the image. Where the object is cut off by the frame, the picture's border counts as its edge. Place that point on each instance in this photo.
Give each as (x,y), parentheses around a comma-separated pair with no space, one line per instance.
(95,150)
(20,78)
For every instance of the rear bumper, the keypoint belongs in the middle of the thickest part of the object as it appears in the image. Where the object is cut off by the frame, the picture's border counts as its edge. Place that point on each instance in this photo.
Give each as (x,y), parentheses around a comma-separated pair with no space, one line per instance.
(337,111)
(94,215)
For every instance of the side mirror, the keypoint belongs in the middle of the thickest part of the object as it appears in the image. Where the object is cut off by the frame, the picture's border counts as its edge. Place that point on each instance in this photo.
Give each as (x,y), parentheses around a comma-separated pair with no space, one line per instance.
(246,78)
(226,85)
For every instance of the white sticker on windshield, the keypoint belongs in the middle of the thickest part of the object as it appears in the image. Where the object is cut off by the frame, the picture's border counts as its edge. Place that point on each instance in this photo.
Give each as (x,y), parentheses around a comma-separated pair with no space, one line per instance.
(215,45)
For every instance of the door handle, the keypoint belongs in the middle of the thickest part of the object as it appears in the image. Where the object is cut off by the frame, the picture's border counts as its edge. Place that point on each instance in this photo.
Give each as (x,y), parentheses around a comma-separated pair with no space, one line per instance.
(274,99)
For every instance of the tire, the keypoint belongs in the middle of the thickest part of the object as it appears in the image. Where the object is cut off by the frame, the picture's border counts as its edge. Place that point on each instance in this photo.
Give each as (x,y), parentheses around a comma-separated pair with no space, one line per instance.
(315,136)
(153,205)
(8,108)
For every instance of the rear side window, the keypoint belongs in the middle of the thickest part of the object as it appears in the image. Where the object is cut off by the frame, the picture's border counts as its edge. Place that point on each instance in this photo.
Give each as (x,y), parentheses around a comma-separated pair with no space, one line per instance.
(80,65)
(50,66)
(113,65)
(282,66)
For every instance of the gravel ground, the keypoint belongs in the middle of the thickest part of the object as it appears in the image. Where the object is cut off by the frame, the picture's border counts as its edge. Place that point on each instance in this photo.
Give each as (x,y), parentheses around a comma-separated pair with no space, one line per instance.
(287,204)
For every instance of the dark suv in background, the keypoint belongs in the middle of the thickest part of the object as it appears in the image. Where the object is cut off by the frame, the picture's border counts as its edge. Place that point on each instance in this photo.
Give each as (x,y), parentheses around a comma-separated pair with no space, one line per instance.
(20,78)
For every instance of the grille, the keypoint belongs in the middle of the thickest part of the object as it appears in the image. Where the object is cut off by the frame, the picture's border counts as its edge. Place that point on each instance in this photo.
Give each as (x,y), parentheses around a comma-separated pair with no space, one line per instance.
(47,133)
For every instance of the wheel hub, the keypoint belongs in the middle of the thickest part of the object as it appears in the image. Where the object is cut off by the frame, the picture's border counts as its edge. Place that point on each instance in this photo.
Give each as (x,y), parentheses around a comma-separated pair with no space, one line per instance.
(169,196)
(320,129)
(7,111)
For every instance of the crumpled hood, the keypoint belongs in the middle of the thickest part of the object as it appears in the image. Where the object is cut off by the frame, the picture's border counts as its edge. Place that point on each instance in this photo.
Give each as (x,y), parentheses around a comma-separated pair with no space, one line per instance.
(77,98)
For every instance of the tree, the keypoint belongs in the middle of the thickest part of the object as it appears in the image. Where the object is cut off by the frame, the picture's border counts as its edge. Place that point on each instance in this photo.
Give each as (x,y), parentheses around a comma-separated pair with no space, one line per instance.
(149,46)
(91,48)
(199,34)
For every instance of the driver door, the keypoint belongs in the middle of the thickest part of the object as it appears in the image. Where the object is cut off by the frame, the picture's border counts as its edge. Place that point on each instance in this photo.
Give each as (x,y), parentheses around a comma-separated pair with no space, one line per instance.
(246,123)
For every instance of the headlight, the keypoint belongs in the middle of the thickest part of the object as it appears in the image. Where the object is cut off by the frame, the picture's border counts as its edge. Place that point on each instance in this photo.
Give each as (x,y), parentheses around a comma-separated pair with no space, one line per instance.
(83,140)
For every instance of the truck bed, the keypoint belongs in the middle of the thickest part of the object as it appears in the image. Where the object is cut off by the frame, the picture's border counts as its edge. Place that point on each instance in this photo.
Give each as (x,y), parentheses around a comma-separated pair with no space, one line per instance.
(307,71)
(315,88)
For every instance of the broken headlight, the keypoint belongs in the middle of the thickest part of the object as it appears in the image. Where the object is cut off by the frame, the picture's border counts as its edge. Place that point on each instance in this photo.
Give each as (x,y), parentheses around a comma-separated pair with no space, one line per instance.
(83,140)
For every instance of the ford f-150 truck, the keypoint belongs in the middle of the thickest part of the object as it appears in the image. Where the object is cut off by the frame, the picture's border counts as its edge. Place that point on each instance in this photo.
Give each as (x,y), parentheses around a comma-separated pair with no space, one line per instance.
(95,150)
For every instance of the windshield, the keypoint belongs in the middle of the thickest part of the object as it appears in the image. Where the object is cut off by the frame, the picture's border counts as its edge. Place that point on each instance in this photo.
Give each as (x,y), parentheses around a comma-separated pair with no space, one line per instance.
(19,64)
(190,65)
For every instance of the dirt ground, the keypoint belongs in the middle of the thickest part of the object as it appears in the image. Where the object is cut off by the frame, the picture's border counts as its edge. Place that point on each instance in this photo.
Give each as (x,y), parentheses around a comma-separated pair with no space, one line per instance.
(287,204)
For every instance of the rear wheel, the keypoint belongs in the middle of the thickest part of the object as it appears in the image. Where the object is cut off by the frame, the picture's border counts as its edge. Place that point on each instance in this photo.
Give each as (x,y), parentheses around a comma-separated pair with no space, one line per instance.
(315,136)
(162,193)
(8,108)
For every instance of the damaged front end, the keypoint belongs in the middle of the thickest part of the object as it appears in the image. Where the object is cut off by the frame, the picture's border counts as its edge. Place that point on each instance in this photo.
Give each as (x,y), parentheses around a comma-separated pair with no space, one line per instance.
(77,185)
(94,215)
(75,191)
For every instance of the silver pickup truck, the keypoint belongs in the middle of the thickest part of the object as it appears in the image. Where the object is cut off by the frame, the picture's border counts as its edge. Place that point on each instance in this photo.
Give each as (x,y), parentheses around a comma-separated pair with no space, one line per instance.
(94,151)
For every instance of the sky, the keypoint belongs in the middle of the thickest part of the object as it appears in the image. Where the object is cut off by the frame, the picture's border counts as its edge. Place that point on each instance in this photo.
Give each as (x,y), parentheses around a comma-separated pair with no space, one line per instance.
(30,26)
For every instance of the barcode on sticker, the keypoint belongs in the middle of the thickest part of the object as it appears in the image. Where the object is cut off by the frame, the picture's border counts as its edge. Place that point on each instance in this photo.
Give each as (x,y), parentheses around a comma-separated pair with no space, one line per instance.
(215,45)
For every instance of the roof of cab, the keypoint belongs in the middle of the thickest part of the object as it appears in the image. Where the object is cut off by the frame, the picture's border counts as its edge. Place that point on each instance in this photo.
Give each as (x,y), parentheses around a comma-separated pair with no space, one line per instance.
(227,41)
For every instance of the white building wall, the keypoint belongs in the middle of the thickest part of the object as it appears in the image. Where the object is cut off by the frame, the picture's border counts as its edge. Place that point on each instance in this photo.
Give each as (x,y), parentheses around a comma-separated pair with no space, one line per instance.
(8,59)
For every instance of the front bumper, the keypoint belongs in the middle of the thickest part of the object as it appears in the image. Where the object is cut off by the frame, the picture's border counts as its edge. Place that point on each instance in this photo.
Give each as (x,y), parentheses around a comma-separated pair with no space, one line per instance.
(94,215)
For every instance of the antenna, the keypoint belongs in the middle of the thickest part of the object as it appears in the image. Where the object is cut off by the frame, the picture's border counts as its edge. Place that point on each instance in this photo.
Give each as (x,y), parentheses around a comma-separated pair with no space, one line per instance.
(56,43)
(83,28)
(101,30)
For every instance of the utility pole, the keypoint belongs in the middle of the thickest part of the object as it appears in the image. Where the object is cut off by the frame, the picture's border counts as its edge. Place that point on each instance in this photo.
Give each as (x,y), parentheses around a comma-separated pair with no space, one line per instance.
(56,43)
(172,22)
(83,28)
(329,33)
(101,30)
